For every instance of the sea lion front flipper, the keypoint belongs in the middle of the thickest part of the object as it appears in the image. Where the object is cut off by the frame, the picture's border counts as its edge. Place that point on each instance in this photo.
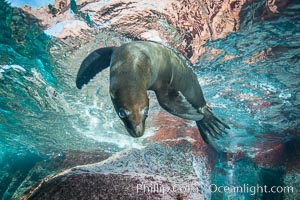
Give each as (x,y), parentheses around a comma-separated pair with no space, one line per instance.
(94,63)
(210,126)
(175,103)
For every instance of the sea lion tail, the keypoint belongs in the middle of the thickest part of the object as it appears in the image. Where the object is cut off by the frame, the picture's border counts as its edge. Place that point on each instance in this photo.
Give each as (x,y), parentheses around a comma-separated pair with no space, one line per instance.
(94,63)
(210,126)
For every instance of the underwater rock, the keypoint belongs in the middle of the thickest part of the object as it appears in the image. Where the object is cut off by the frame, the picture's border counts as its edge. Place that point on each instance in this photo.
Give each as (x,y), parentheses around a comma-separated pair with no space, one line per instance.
(52,14)
(14,169)
(292,179)
(102,186)
(22,25)
(130,174)
(53,165)
(185,25)
(191,166)
(292,176)
(173,130)
(276,153)
(285,157)
(273,8)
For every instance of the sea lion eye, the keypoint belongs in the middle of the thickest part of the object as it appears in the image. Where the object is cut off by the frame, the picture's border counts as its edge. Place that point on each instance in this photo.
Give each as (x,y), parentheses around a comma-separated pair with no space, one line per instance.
(122,114)
(146,110)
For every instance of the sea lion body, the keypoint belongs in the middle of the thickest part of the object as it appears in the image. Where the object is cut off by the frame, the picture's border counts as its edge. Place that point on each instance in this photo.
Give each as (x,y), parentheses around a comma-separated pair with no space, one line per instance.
(140,66)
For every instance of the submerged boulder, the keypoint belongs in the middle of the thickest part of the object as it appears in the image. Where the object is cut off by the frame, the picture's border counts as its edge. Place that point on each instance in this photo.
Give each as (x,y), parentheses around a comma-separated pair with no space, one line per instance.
(158,171)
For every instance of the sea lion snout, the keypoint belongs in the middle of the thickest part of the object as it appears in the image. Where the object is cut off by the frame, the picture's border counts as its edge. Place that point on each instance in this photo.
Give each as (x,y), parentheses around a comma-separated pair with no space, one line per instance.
(135,124)
(137,131)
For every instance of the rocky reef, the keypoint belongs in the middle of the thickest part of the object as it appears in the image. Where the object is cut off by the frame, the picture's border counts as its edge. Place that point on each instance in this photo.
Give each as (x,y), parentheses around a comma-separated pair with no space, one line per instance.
(156,172)
(186,24)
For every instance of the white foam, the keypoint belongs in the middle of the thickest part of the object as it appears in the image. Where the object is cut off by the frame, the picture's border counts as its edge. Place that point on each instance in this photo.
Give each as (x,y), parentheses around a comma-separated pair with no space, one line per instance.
(17,68)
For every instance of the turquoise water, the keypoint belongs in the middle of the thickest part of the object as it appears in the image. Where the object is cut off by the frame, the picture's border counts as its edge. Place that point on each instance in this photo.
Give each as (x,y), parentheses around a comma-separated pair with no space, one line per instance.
(260,83)
(253,83)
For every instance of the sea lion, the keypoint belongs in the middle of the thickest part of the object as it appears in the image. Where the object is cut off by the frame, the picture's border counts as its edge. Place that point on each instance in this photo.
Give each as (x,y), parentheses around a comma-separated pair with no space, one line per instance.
(139,66)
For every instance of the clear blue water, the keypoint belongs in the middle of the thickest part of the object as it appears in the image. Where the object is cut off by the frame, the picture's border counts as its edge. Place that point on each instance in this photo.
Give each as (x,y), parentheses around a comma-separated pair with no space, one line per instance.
(253,83)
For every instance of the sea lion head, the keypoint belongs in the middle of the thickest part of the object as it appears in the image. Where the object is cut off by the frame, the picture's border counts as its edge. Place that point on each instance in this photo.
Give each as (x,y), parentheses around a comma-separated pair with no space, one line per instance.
(132,108)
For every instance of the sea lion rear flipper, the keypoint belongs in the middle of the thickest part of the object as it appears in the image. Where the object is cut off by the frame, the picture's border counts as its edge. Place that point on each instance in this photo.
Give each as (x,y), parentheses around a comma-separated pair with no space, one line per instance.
(175,103)
(94,63)
(210,126)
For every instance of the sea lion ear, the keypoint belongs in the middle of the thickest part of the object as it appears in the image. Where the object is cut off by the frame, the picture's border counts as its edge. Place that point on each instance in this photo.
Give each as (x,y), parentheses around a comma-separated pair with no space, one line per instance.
(94,63)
